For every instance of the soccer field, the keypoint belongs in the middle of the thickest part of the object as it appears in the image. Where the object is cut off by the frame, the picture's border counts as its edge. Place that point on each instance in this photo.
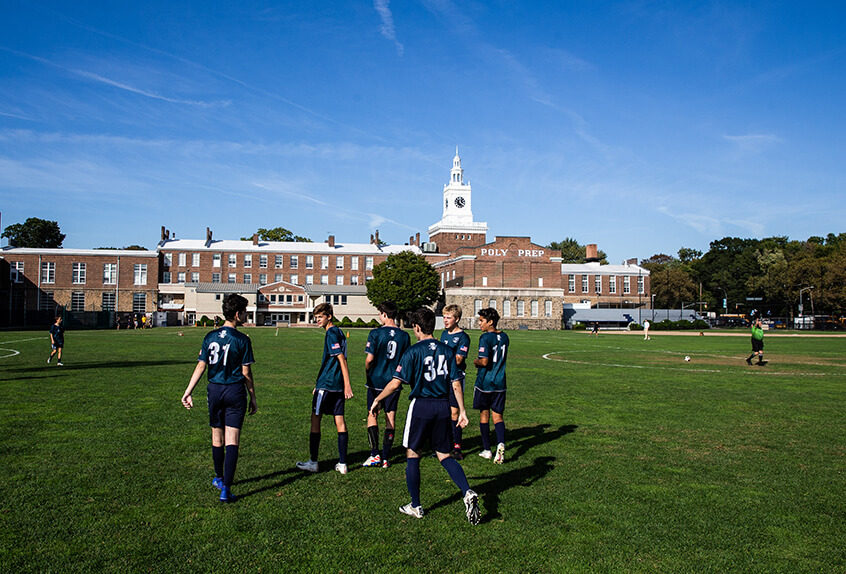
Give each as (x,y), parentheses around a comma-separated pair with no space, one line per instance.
(622,457)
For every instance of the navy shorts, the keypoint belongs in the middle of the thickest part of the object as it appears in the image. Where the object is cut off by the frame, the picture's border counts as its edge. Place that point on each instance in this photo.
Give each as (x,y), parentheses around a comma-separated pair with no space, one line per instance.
(227,405)
(428,420)
(453,402)
(389,405)
(489,401)
(757,345)
(325,402)
(57,346)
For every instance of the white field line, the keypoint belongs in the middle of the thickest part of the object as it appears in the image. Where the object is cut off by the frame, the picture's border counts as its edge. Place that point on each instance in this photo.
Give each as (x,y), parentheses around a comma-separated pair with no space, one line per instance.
(12,351)
(22,340)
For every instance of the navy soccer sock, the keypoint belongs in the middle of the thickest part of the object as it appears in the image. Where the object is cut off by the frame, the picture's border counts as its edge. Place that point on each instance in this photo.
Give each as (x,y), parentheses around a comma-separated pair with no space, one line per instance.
(499,429)
(217,457)
(373,439)
(387,443)
(456,434)
(229,464)
(343,441)
(313,445)
(485,432)
(456,473)
(412,479)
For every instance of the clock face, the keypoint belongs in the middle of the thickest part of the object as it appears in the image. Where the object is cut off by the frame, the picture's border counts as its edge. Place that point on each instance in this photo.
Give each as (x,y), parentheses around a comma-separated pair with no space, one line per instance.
(459,201)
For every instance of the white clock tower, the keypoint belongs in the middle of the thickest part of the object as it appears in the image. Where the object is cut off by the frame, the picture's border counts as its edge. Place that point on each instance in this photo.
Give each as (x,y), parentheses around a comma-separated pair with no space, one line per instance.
(456,227)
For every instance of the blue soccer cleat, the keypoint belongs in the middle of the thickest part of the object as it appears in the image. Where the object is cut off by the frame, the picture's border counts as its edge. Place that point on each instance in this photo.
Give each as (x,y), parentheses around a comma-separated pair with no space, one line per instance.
(217,482)
(226,495)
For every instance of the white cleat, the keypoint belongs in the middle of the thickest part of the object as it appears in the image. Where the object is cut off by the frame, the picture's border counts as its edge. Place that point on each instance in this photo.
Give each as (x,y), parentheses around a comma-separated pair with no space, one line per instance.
(486,454)
(341,467)
(471,507)
(309,465)
(415,511)
(374,460)
(500,453)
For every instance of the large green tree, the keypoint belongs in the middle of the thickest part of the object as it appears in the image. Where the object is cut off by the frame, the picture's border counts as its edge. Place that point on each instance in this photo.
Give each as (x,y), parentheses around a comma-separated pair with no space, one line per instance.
(35,232)
(574,252)
(670,281)
(278,234)
(406,279)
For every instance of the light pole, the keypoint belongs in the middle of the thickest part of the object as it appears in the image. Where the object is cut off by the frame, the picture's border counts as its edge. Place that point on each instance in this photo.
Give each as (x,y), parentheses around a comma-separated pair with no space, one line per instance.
(652,304)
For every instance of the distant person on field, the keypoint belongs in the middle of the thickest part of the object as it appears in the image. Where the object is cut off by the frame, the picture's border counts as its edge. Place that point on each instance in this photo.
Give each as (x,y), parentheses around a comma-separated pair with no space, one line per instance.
(228,355)
(595,330)
(757,340)
(331,390)
(429,368)
(646,330)
(489,391)
(456,339)
(385,346)
(57,341)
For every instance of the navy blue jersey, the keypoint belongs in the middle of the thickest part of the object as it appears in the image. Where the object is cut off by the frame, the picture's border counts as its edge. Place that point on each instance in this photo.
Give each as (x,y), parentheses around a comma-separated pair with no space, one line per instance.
(387,345)
(330,377)
(225,351)
(429,367)
(58,333)
(494,347)
(459,343)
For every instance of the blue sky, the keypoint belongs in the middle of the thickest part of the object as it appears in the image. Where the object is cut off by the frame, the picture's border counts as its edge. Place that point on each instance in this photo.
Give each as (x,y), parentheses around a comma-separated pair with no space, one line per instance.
(640,126)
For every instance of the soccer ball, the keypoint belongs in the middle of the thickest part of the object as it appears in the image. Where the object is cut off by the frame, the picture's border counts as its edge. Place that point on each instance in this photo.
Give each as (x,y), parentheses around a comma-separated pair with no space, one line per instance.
(687,358)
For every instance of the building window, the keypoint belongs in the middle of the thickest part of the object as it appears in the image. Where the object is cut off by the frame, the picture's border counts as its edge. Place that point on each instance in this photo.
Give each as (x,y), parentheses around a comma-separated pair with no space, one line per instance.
(248,260)
(484,281)
(547,308)
(521,308)
(279,261)
(165,276)
(182,260)
(231,278)
(277,277)
(48,271)
(262,261)
(167,260)
(195,260)
(78,273)
(309,261)
(215,259)
(584,283)
(262,278)
(233,260)
(571,283)
(492,303)
(339,262)
(354,280)
(368,263)
(195,277)
(309,279)
(354,263)
(534,307)
(139,302)
(612,284)
(180,277)
(295,261)
(453,274)
(295,279)
(640,285)
(324,280)
(324,262)
(140,273)
(45,301)
(16,271)
(506,308)
(627,285)
(109,301)
(78,301)
(540,281)
(477,306)
(110,274)
(248,278)
(339,280)
(215,277)
(597,283)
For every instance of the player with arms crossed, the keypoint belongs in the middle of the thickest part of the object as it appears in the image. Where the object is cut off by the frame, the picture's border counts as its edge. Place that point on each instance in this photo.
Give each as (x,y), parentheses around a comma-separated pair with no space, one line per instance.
(429,368)
(456,339)
(228,355)
(489,392)
(385,347)
(331,390)
(57,340)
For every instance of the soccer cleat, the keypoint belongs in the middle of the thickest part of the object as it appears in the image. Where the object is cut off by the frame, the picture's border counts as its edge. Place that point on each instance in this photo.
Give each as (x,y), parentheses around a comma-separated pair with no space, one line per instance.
(48,361)
(500,453)
(309,465)
(373,460)
(226,495)
(471,507)
(341,467)
(385,464)
(748,361)
(217,482)
(486,454)
(415,511)
(60,364)
(456,454)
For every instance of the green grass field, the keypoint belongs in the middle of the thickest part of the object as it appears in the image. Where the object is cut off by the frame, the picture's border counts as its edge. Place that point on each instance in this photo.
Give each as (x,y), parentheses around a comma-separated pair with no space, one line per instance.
(621,458)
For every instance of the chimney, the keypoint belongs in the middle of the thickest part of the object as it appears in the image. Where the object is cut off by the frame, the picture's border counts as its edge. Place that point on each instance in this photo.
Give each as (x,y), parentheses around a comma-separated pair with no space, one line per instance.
(255,238)
(208,236)
(410,240)
(371,239)
(331,241)
(591,252)
(417,239)
(632,261)
(163,233)
(377,237)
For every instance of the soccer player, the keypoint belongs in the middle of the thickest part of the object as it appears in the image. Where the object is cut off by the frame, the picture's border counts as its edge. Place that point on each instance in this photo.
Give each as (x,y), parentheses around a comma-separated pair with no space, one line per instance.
(331,390)
(385,346)
(757,340)
(489,392)
(456,339)
(228,355)
(57,341)
(646,326)
(429,367)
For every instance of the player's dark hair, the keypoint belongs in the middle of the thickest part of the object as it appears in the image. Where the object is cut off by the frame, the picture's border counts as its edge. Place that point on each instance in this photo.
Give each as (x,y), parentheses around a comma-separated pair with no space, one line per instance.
(490,314)
(56,318)
(425,319)
(324,309)
(232,305)
(389,308)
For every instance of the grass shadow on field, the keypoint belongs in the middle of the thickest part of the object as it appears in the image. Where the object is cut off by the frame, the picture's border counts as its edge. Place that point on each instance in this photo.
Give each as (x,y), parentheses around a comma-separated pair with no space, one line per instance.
(56,370)
(297,474)
(521,440)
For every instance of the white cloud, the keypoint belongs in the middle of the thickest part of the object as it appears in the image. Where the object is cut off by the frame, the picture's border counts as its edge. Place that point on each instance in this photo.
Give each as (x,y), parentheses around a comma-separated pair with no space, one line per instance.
(753,143)
(387,29)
